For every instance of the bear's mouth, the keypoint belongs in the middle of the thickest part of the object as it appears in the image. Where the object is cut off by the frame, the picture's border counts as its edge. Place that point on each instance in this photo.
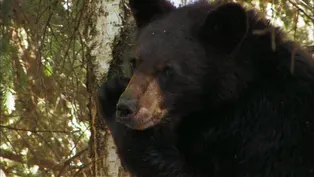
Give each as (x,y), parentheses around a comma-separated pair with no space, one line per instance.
(140,124)
(144,119)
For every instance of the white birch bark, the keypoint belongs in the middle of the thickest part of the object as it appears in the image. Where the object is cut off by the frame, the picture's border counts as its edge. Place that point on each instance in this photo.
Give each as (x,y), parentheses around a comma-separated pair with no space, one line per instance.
(103,26)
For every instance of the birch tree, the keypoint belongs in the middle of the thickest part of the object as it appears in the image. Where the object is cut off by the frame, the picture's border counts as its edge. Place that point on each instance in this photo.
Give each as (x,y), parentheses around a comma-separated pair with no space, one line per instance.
(104,23)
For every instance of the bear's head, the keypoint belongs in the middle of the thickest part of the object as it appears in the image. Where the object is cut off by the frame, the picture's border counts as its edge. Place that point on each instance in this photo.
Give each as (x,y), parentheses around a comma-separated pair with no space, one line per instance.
(182,60)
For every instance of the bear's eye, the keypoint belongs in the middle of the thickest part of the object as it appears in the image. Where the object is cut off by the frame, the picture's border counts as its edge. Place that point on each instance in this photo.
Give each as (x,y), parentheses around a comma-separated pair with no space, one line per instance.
(133,62)
(167,71)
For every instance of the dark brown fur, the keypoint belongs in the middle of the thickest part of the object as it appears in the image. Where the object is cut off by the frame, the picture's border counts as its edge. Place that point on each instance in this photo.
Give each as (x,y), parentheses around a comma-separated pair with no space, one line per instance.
(233,105)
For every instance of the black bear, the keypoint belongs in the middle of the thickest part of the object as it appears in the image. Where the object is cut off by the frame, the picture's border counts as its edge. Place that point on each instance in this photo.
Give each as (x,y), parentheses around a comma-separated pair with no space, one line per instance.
(216,91)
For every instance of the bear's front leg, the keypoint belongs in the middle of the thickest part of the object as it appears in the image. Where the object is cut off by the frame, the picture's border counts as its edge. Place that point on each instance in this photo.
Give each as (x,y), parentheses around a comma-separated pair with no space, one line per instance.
(108,96)
(149,153)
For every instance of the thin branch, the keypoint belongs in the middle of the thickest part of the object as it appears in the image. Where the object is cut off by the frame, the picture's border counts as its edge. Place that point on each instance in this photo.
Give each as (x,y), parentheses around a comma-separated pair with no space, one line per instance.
(304,4)
(12,156)
(67,162)
(9,142)
(35,131)
(301,10)
(43,163)
(53,3)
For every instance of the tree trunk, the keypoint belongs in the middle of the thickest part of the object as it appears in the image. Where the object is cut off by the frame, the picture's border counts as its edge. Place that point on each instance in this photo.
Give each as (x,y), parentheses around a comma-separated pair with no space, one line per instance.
(102,24)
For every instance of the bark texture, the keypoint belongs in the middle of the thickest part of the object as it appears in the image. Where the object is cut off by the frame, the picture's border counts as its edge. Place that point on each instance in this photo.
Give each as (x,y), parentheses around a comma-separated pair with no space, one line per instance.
(102,25)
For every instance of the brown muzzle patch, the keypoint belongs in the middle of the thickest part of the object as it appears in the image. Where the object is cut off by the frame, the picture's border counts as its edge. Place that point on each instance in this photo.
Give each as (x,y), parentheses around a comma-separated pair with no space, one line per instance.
(140,105)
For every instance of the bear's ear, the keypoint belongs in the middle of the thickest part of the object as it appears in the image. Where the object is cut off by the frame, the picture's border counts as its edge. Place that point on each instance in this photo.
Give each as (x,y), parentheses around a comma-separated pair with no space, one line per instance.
(225,27)
(145,10)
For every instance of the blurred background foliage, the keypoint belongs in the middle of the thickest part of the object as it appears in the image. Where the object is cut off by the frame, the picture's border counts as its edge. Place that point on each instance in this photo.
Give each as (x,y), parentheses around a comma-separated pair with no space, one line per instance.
(43,92)
(44,123)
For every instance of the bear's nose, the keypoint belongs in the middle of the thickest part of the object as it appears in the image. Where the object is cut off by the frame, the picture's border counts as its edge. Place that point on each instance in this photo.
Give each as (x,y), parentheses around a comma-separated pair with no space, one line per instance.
(125,109)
